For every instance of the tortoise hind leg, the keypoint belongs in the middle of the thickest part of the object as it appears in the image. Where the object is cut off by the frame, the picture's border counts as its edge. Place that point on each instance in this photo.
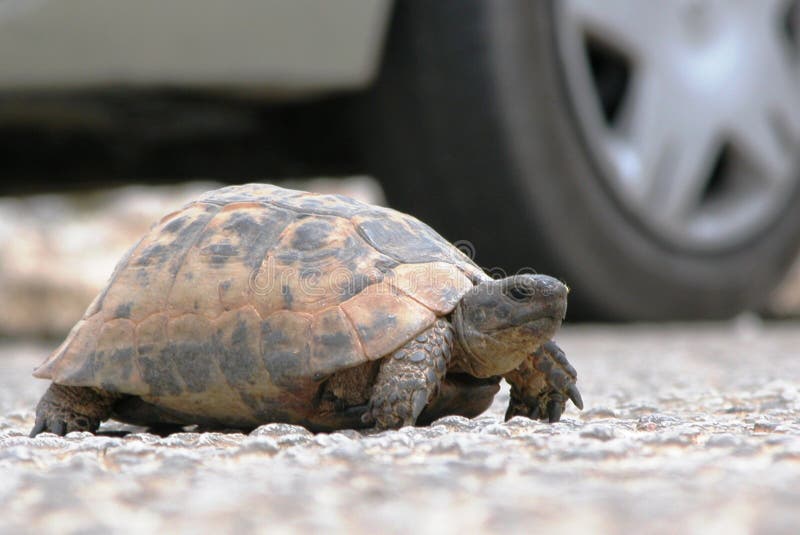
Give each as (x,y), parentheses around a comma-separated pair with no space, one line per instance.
(63,409)
(409,378)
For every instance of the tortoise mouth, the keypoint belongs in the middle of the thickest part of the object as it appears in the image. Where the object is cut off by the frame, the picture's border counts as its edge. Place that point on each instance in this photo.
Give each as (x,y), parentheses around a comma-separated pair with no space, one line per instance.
(543,327)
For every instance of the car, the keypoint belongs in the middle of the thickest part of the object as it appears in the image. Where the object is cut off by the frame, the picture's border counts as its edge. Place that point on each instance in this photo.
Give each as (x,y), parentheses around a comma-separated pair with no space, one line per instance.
(643,152)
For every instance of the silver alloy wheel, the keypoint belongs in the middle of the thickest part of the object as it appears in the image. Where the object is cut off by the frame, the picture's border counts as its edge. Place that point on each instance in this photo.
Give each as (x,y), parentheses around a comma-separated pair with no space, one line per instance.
(690,109)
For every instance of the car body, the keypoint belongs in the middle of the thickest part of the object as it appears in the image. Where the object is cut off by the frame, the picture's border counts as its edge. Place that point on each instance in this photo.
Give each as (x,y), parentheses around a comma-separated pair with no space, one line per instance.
(279,47)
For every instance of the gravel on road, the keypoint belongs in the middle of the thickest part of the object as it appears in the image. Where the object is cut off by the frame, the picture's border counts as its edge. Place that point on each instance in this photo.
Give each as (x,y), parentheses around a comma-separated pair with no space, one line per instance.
(687,428)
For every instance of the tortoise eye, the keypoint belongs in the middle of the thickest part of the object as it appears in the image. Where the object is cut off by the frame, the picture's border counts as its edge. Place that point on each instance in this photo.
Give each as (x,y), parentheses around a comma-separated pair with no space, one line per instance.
(519,294)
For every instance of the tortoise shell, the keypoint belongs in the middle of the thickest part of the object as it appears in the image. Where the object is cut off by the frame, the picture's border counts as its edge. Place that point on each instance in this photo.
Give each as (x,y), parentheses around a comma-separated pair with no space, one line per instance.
(245,299)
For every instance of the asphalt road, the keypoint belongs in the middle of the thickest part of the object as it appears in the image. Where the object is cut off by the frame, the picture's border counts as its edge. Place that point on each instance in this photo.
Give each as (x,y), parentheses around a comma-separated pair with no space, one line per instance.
(687,429)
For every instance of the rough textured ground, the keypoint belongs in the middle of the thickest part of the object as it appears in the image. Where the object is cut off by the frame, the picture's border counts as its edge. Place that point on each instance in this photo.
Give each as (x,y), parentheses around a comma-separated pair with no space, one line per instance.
(686,429)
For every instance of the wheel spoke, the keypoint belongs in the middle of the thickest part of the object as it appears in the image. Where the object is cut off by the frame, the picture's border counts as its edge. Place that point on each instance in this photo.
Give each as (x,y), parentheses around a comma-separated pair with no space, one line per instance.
(629,25)
(780,99)
(643,137)
(783,113)
(761,143)
(673,147)
(687,173)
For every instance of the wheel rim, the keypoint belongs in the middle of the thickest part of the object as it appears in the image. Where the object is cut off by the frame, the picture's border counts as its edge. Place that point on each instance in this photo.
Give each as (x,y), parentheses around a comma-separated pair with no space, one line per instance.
(690,108)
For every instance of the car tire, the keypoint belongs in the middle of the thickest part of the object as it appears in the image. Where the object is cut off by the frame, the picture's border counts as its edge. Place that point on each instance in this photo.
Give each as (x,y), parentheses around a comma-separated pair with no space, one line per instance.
(470,127)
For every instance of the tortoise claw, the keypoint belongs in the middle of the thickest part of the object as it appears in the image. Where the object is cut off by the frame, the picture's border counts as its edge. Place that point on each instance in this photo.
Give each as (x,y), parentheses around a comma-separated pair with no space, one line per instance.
(418,401)
(554,409)
(560,357)
(573,394)
(367,417)
(44,425)
(59,427)
(38,427)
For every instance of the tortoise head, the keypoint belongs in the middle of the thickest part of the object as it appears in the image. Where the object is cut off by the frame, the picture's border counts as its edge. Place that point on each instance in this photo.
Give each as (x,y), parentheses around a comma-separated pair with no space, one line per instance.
(499,322)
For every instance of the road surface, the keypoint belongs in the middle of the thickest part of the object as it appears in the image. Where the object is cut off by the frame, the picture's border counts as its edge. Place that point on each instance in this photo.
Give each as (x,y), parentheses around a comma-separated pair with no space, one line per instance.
(692,429)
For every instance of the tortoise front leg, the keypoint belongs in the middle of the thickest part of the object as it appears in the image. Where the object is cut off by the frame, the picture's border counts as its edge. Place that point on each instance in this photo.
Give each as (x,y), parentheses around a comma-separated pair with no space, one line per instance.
(409,378)
(63,409)
(541,385)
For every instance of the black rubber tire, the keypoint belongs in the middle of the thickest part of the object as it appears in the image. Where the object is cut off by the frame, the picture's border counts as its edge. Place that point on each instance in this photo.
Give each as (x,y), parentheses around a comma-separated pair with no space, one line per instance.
(470,128)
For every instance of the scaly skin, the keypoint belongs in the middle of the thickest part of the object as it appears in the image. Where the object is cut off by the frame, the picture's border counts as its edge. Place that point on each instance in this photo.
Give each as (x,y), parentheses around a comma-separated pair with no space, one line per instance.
(410,378)
(541,385)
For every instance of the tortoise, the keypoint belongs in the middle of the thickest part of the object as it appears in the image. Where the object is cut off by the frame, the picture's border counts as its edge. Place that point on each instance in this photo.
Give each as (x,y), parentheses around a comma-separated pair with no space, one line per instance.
(257,304)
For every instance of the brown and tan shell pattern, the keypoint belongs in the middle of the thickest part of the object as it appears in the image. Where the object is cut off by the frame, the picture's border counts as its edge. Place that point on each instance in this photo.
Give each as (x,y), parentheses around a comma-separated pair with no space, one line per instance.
(242,301)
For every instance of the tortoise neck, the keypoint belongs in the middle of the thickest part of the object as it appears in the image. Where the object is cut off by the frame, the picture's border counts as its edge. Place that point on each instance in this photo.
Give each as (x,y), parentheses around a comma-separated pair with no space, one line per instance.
(464,357)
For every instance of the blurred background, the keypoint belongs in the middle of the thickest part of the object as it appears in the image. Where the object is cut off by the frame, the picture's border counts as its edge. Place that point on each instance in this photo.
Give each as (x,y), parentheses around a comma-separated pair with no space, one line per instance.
(644,152)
